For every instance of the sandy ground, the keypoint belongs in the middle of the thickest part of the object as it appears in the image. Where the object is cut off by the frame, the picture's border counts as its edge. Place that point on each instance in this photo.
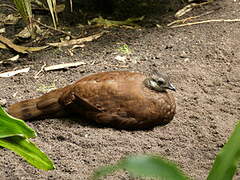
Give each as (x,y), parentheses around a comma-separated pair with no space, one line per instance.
(203,63)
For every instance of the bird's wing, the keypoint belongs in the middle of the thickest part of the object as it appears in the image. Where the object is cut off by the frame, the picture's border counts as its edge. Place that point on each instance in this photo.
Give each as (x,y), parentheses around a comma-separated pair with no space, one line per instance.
(76,102)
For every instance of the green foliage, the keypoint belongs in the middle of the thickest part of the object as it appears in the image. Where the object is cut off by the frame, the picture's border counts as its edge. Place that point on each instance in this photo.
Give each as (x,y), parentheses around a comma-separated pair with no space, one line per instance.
(224,166)
(144,166)
(28,151)
(24,8)
(124,49)
(10,126)
(14,134)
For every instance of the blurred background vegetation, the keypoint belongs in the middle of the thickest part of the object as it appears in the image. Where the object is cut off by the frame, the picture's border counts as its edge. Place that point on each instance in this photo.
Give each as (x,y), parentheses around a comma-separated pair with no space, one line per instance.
(71,12)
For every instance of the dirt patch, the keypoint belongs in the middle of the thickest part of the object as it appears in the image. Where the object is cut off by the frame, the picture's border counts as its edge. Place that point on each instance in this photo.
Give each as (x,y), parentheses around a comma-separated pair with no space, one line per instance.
(203,63)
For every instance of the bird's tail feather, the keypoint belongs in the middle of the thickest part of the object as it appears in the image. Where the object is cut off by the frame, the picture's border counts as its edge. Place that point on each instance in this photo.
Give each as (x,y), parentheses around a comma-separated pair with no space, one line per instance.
(46,105)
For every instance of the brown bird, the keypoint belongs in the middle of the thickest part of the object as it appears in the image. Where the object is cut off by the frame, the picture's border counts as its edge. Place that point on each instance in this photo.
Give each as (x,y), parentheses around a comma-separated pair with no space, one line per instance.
(121,99)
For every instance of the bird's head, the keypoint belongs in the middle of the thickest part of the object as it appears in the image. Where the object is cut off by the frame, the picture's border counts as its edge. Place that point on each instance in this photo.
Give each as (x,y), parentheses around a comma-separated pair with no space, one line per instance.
(159,83)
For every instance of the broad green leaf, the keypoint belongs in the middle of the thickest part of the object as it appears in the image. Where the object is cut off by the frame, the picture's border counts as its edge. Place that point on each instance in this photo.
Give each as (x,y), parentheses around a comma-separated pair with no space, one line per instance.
(227,159)
(10,126)
(28,151)
(104,171)
(152,166)
(145,166)
(13,135)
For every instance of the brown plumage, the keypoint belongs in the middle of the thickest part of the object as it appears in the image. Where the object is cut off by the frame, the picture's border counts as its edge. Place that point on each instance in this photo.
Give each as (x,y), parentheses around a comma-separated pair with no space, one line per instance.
(121,99)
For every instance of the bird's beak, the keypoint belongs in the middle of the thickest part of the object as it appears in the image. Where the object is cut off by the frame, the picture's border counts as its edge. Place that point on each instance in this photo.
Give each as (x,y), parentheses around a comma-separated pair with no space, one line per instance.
(171,87)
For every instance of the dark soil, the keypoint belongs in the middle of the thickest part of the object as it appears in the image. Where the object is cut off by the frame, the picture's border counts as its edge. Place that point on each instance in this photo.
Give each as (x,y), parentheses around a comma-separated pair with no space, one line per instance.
(203,63)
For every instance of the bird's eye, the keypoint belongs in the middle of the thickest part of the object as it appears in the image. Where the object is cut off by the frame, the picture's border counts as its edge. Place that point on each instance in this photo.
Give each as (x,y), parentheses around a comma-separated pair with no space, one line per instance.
(161,81)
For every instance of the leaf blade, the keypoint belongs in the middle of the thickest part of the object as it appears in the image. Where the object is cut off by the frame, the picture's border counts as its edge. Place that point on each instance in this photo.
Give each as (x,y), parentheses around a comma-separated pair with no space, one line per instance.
(152,166)
(30,152)
(144,166)
(24,8)
(10,126)
(225,164)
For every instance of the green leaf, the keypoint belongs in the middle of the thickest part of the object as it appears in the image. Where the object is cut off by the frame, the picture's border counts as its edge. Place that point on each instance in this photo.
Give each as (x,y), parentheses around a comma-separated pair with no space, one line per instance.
(28,151)
(145,166)
(10,126)
(24,8)
(13,135)
(104,171)
(227,159)
(152,166)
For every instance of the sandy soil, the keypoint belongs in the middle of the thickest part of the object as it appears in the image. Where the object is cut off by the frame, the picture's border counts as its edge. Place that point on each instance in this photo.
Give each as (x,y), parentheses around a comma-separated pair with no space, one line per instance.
(203,63)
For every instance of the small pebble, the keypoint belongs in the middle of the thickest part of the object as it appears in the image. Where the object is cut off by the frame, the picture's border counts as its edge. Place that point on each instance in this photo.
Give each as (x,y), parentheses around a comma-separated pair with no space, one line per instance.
(3,102)
(183,55)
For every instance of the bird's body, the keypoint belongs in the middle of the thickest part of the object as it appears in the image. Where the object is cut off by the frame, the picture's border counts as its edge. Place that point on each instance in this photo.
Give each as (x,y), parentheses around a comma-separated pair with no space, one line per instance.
(121,99)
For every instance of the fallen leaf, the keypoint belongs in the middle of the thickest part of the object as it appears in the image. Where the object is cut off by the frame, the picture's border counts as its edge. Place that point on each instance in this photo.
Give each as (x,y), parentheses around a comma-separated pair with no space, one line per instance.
(33,49)
(21,49)
(108,23)
(14,58)
(24,34)
(9,43)
(77,41)
(3,46)
(2,30)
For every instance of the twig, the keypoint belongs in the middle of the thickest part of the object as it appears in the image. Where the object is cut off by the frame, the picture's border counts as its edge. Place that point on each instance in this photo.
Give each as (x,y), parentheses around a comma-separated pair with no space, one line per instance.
(207,21)
(117,65)
(189,18)
(204,3)
(93,63)
(190,7)
(41,70)
(13,73)
(52,28)
(63,66)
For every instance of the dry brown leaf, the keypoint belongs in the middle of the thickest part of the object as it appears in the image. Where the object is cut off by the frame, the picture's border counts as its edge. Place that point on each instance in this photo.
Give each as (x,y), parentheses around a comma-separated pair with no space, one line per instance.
(25,34)
(15,47)
(77,41)
(12,59)
(21,49)
(33,49)
(109,23)
(3,46)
